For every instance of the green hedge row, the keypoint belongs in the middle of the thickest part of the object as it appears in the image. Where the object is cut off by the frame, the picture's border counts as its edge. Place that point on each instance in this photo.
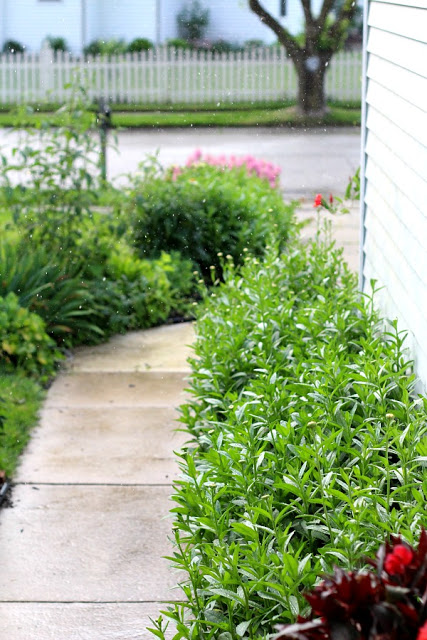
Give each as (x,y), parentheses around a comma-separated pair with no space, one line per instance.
(307,445)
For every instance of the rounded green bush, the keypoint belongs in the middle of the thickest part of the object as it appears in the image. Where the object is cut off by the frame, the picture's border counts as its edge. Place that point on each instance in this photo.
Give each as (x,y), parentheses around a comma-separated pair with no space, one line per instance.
(139,44)
(204,210)
(179,43)
(13,46)
(24,342)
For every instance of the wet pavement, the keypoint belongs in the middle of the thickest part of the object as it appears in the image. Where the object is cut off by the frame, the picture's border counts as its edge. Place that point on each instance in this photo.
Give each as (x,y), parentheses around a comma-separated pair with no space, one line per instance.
(81,548)
(312,161)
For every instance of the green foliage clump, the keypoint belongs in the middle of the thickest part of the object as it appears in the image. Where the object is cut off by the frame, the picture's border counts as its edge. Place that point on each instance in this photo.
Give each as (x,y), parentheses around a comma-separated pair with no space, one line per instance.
(205,210)
(24,342)
(139,44)
(308,445)
(57,43)
(178,43)
(54,290)
(61,166)
(13,46)
(223,46)
(110,47)
(137,293)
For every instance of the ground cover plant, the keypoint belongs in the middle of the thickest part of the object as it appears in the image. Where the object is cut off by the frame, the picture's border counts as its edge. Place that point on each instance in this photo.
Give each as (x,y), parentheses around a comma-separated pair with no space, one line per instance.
(306,448)
(20,399)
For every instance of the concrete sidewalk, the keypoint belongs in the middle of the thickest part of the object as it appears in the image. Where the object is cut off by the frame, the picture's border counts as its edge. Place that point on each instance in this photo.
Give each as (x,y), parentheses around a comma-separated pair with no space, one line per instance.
(81,548)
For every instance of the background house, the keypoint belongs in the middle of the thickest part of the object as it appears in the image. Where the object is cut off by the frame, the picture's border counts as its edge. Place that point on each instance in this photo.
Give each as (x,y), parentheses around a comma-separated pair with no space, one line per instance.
(394,207)
(81,21)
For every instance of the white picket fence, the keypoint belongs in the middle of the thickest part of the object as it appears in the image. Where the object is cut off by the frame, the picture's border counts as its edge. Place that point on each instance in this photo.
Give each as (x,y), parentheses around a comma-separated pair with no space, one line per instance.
(166,75)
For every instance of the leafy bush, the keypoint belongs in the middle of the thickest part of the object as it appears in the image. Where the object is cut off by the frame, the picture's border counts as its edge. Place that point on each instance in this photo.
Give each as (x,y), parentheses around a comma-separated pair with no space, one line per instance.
(54,291)
(254,43)
(13,46)
(223,46)
(178,43)
(192,21)
(139,44)
(60,165)
(136,294)
(57,43)
(105,47)
(94,48)
(202,211)
(388,604)
(24,342)
(307,443)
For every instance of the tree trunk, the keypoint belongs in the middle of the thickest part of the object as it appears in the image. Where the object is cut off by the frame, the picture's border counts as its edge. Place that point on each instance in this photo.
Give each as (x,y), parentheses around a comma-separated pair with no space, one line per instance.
(311,86)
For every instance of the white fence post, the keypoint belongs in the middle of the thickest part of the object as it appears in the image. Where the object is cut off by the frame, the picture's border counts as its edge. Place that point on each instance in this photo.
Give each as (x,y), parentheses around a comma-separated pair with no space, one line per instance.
(167,75)
(46,70)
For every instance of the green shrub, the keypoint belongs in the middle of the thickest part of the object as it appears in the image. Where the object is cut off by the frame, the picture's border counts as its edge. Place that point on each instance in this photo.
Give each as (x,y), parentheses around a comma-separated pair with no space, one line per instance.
(178,43)
(61,166)
(57,43)
(307,443)
(13,46)
(254,43)
(139,44)
(223,46)
(137,294)
(52,290)
(204,211)
(105,47)
(24,342)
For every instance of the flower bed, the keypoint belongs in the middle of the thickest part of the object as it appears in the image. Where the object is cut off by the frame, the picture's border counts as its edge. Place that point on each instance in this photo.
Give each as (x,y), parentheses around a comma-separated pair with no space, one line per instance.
(307,445)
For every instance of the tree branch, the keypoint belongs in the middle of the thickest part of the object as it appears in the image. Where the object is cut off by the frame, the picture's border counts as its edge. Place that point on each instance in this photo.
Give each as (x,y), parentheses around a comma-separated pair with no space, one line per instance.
(283,35)
(347,12)
(326,9)
(306,5)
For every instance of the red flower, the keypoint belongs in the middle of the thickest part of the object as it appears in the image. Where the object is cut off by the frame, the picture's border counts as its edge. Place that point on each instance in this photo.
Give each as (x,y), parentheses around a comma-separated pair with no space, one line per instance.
(422,633)
(318,200)
(331,198)
(398,560)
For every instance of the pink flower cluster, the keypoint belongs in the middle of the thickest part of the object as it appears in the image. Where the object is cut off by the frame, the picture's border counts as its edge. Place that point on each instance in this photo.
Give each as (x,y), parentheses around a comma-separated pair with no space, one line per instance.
(254,166)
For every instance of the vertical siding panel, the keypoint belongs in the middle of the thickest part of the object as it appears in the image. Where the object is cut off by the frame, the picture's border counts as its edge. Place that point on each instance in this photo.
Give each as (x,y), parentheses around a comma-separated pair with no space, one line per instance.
(394,185)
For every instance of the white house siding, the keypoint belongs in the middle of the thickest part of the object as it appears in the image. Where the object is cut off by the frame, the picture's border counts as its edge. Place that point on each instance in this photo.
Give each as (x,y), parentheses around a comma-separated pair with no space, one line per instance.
(232,20)
(395,167)
(168,11)
(92,26)
(30,21)
(126,19)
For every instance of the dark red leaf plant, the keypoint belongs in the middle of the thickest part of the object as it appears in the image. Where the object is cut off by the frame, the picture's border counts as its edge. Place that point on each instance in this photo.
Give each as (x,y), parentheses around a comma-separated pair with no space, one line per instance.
(387,603)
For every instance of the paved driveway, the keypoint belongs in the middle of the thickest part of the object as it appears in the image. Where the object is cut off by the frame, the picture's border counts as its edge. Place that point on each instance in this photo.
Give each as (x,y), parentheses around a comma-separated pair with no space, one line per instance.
(312,161)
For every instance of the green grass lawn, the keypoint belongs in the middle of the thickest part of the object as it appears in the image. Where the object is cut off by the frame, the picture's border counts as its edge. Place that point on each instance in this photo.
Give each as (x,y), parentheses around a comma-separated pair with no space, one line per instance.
(20,399)
(272,115)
